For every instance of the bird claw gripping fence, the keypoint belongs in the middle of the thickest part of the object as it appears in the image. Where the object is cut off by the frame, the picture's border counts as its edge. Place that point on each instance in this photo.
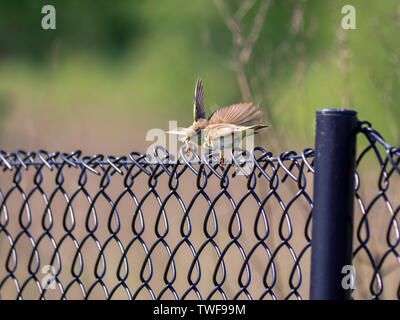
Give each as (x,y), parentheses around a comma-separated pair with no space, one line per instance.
(104,227)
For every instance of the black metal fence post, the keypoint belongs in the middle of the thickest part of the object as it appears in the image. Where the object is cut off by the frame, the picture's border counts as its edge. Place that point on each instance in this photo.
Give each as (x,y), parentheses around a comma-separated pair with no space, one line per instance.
(332,216)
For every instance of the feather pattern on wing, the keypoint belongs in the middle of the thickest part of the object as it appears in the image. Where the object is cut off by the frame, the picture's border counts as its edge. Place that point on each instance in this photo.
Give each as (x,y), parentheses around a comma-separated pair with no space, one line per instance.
(221,136)
(241,114)
(198,110)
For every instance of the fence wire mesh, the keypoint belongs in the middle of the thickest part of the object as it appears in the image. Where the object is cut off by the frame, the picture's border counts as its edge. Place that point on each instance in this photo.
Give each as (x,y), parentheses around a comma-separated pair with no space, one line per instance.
(376,229)
(96,227)
(129,228)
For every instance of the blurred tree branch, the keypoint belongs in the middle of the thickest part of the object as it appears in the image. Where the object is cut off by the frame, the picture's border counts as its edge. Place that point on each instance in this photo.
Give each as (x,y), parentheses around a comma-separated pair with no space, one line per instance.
(243,44)
(244,8)
(386,87)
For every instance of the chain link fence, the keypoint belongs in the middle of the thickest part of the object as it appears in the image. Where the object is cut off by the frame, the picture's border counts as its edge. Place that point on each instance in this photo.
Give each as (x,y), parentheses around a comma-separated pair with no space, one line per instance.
(377,206)
(97,227)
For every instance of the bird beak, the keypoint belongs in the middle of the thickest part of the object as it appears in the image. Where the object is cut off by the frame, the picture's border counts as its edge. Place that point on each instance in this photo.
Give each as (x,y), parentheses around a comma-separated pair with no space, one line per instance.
(177,132)
(182,134)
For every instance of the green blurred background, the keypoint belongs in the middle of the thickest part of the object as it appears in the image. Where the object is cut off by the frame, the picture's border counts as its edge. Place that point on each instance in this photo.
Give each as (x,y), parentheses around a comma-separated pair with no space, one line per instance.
(114,69)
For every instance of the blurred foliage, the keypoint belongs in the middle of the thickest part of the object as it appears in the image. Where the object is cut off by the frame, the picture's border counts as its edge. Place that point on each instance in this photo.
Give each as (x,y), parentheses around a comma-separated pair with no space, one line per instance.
(105,27)
(143,57)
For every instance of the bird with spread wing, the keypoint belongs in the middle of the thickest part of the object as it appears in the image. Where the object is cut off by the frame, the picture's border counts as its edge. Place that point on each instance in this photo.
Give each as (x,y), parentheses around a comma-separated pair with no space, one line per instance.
(225,128)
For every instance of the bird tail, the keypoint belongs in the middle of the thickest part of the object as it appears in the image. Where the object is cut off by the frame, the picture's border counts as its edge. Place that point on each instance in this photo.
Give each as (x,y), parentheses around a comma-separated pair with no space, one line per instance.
(254,129)
(258,127)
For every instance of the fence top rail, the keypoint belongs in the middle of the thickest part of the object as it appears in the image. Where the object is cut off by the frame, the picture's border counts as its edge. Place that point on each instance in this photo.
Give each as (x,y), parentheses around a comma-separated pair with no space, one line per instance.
(40,158)
(375,136)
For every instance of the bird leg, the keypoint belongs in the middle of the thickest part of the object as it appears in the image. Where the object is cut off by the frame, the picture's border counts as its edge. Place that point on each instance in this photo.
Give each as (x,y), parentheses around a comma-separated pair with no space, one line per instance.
(233,155)
(221,158)
(187,146)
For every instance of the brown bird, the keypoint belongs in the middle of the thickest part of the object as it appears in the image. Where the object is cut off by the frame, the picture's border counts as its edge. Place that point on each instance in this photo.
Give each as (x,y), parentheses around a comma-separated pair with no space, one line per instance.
(225,128)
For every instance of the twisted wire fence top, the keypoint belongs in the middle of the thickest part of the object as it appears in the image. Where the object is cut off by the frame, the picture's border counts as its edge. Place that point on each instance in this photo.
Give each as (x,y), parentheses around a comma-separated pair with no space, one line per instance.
(94,227)
(376,229)
(126,227)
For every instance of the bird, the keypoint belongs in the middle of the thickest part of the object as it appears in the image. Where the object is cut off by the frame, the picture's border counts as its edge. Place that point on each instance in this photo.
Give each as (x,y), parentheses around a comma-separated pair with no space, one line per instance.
(224,128)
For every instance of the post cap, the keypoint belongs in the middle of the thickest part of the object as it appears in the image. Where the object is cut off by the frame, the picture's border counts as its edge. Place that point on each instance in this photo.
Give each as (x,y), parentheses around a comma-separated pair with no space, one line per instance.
(337,111)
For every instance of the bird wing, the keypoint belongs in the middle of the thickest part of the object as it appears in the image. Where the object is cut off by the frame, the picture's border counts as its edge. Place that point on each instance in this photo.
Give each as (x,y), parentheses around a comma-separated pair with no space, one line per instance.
(198,110)
(241,114)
